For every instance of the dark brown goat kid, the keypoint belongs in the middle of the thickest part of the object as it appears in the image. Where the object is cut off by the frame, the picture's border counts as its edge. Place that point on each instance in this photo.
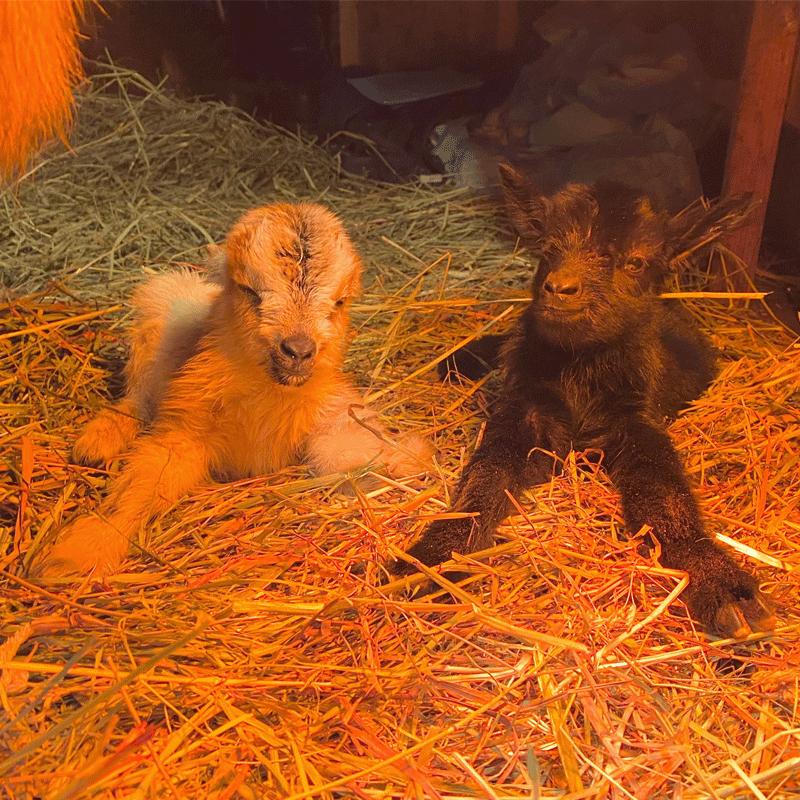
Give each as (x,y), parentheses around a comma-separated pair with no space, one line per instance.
(597,361)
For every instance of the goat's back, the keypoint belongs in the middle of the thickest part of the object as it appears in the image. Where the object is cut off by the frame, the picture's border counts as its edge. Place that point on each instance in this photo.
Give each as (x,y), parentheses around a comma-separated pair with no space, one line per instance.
(171,316)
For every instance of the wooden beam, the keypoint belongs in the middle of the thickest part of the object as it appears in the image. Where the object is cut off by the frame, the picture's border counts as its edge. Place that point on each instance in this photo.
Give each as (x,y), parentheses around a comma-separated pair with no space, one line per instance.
(507,25)
(793,102)
(763,90)
(396,35)
(349,40)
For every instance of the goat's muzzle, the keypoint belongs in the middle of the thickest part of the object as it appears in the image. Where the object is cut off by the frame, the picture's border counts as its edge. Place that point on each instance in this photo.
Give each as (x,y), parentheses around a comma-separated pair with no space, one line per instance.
(560,305)
(562,290)
(293,359)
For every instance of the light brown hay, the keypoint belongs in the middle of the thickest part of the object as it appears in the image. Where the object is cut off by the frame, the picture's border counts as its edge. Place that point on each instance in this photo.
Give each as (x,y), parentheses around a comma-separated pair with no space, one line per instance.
(252,650)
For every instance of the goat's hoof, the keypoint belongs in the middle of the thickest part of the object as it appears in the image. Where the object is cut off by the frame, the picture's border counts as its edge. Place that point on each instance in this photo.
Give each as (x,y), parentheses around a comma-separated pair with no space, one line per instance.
(92,545)
(739,618)
(413,456)
(103,439)
(726,599)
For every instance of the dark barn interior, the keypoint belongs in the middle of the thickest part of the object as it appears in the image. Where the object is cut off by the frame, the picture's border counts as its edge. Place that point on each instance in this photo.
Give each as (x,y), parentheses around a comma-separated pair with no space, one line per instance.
(289,62)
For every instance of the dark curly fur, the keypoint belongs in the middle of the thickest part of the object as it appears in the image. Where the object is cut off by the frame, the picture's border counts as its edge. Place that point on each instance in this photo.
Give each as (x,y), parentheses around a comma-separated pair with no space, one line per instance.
(597,361)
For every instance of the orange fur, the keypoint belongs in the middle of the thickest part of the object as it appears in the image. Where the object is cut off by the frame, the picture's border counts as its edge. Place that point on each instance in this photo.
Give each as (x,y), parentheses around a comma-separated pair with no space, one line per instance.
(221,372)
(39,66)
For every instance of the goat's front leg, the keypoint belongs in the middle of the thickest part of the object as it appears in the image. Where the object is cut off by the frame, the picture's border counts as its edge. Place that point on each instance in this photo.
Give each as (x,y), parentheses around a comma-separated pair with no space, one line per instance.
(351,436)
(108,435)
(517,450)
(646,469)
(162,468)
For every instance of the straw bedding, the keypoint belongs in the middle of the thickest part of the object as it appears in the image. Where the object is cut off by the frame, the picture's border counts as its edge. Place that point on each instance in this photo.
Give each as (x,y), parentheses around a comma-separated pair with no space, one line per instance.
(253,647)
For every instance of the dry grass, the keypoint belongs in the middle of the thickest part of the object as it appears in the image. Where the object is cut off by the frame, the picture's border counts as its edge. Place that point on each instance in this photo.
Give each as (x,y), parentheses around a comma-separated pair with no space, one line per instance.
(253,649)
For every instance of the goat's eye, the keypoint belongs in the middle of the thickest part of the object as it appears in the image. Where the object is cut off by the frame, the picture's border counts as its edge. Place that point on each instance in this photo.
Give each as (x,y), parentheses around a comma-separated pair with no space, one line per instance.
(251,294)
(340,302)
(635,265)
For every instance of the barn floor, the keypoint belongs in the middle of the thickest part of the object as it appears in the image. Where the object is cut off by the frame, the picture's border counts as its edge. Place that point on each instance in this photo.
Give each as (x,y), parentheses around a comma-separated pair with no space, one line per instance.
(254,648)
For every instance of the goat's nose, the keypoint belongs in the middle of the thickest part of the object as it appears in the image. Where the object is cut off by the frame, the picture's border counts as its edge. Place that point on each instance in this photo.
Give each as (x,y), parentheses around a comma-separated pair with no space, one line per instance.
(563,285)
(299,347)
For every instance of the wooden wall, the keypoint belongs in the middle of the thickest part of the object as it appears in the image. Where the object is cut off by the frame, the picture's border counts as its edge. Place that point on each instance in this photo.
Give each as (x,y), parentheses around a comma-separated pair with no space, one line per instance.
(393,35)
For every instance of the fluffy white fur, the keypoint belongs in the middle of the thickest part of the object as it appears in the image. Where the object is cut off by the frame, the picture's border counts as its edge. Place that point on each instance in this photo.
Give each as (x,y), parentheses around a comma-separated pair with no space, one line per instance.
(238,375)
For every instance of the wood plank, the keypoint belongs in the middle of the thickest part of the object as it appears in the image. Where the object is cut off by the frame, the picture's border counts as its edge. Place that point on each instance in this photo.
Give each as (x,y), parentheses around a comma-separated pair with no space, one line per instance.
(507,25)
(349,45)
(793,103)
(392,35)
(763,91)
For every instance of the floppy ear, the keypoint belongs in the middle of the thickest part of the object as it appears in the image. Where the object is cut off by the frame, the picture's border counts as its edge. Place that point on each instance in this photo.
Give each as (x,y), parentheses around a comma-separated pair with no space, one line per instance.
(699,224)
(525,207)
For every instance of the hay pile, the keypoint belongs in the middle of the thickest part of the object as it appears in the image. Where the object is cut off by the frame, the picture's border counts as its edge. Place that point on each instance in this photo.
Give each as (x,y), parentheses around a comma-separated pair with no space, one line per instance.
(251,651)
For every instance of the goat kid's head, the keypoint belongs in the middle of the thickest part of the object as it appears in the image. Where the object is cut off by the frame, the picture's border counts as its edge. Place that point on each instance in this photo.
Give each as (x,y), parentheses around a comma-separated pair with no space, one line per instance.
(604,252)
(290,272)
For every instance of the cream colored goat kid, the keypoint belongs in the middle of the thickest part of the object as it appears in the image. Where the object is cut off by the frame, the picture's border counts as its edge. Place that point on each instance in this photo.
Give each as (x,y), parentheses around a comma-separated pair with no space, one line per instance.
(234,378)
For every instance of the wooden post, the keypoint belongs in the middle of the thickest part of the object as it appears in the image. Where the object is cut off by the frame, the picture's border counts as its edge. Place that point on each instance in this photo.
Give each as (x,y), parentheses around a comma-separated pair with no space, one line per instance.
(349,41)
(763,91)
(507,24)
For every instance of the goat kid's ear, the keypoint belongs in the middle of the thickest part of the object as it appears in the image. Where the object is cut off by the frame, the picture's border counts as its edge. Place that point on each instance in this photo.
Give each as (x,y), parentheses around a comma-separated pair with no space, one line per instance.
(699,225)
(525,207)
(216,263)
(354,284)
